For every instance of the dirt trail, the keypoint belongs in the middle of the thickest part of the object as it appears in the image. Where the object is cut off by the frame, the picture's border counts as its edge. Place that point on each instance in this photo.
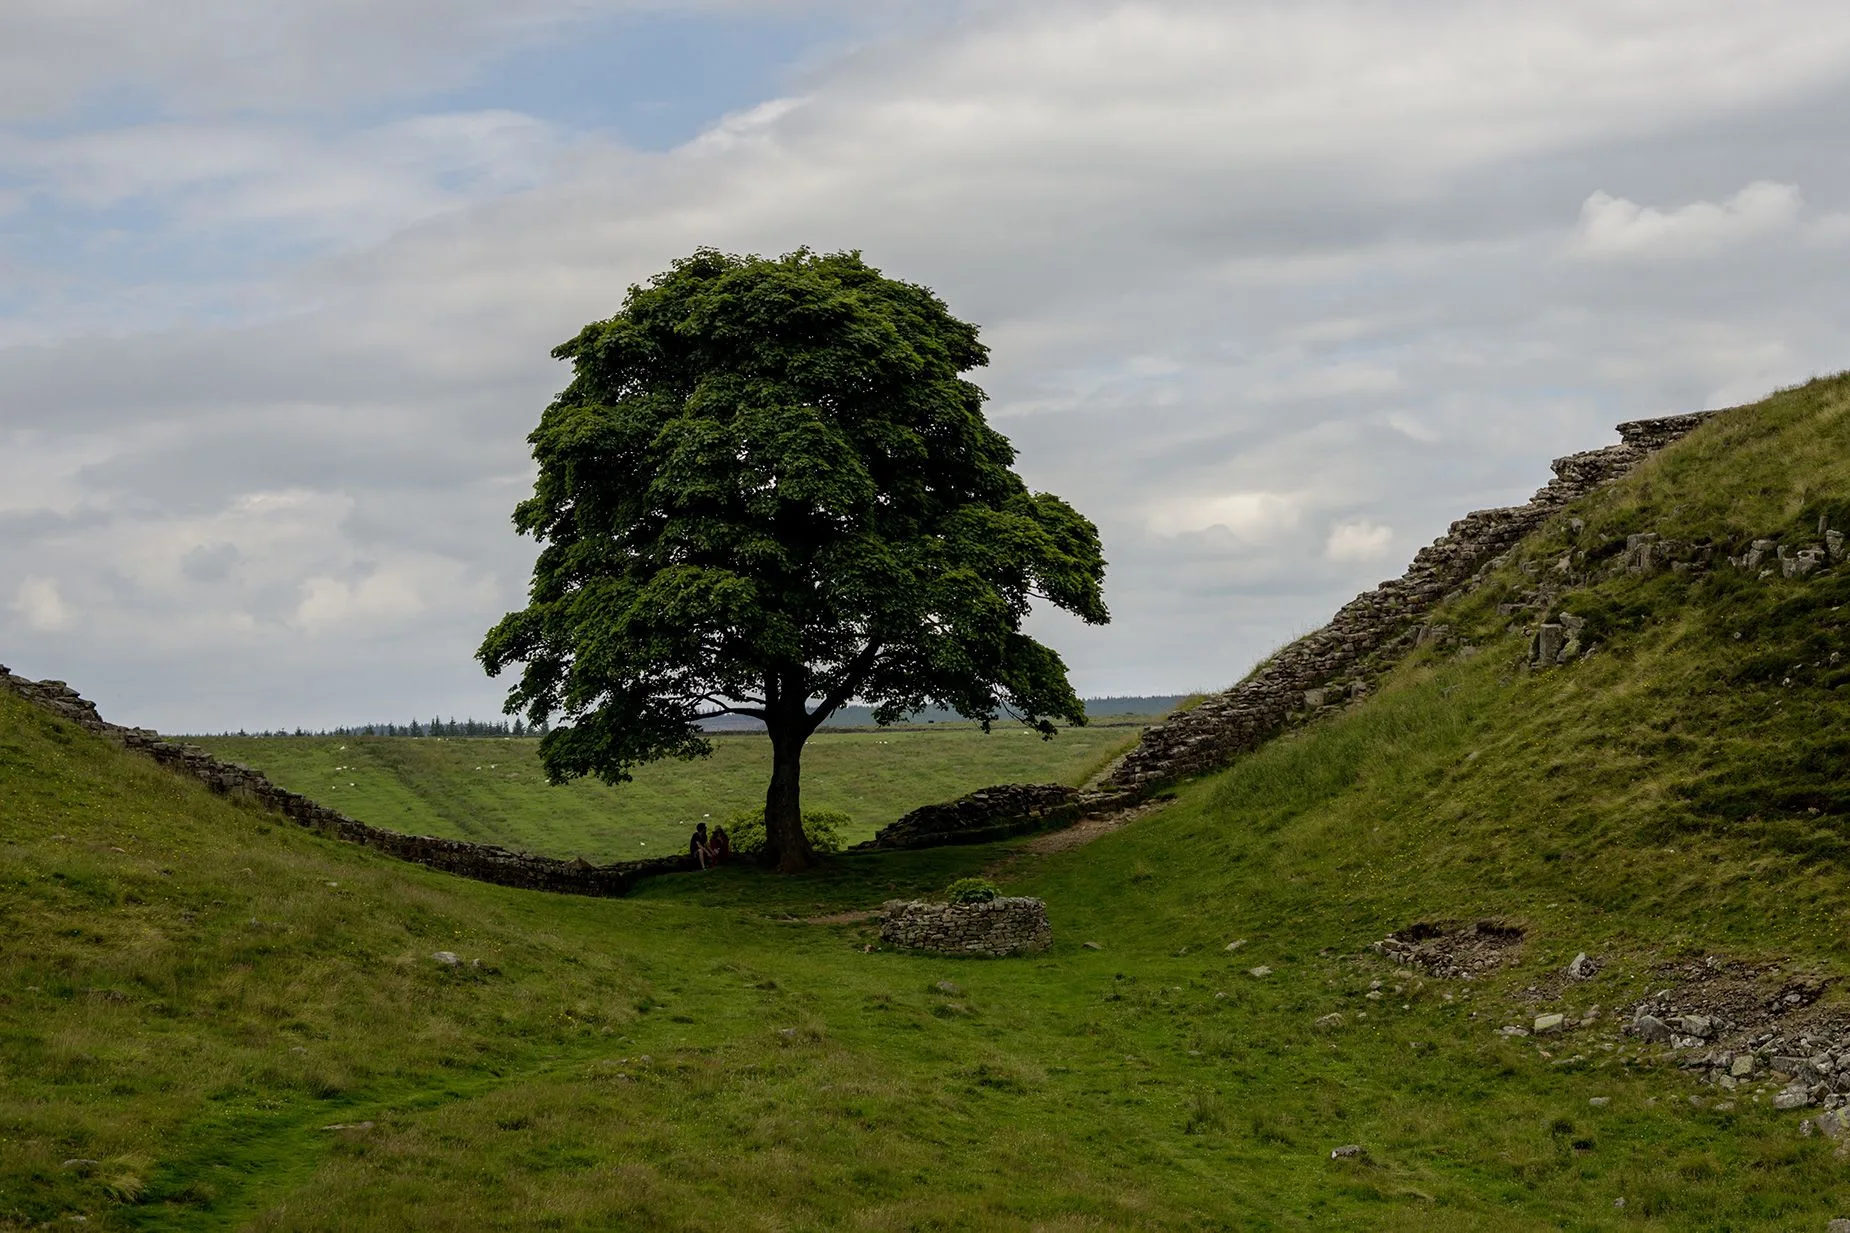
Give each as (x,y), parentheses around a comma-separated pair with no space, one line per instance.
(1077,835)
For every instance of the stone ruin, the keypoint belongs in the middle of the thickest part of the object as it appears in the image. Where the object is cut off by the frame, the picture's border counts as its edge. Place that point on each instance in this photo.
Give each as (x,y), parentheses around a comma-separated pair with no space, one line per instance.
(1643,554)
(1454,952)
(1010,925)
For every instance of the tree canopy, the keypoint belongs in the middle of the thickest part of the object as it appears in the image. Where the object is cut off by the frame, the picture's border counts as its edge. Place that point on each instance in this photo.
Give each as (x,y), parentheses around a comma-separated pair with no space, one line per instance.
(768,490)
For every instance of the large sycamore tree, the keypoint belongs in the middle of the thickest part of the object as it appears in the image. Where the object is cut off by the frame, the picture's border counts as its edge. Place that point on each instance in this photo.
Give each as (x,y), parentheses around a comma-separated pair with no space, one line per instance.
(767,491)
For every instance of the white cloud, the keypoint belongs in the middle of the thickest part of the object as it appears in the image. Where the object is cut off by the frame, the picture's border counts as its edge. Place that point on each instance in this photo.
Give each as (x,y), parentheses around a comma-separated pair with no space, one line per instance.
(755,125)
(37,602)
(1329,379)
(1252,267)
(1360,540)
(1413,426)
(43,472)
(1249,516)
(1615,227)
(389,594)
(267,567)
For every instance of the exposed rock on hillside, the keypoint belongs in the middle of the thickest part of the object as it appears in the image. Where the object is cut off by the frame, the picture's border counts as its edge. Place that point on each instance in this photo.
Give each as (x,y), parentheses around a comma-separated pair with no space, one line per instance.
(1452,952)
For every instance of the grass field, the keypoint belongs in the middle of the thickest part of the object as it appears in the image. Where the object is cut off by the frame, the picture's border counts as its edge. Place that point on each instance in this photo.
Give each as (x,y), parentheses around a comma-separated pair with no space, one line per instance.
(493,791)
(209,1020)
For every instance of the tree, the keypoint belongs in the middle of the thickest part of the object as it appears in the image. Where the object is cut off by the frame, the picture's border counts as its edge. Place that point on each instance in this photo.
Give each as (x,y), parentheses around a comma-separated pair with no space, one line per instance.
(767,491)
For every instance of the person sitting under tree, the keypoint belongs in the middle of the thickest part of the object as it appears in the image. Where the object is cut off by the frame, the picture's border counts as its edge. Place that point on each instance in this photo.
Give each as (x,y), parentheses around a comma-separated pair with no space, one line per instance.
(698,848)
(720,845)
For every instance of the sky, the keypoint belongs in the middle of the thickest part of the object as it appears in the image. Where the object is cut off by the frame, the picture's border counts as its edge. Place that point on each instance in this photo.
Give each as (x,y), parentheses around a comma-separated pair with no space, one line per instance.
(1273,291)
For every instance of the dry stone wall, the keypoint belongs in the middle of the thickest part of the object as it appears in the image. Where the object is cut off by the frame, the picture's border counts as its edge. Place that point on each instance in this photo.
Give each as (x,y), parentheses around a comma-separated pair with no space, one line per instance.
(1334,664)
(483,862)
(1328,667)
(982,817)
(1011,925)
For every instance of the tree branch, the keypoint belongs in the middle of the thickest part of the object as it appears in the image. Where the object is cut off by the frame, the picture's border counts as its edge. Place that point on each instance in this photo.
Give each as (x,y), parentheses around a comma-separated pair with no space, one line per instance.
(718,709)
(851,680)
(721,700)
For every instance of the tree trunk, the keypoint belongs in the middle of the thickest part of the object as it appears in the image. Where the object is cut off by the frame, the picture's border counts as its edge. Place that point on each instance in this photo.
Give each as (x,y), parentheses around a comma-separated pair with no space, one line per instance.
(786,846)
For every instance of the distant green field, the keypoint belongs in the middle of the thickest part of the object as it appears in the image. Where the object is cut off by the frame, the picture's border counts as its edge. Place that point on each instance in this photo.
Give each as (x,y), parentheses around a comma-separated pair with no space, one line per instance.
(492,790)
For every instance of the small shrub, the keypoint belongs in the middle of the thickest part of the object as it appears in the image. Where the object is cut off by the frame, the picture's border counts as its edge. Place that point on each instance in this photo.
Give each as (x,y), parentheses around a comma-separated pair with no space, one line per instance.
(823,826)
(1203,1113)
(972,890)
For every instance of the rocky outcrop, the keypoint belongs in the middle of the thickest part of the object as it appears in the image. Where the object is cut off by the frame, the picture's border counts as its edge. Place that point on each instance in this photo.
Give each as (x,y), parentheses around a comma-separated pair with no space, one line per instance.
(982,817)
(1561,637)
(483,862)
(1334,664)
(1011,925)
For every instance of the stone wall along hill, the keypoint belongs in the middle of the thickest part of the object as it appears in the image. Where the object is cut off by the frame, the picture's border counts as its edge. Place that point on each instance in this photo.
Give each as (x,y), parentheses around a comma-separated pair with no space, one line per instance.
(982,817)
(1325,668)
(1334,664)
(483,862)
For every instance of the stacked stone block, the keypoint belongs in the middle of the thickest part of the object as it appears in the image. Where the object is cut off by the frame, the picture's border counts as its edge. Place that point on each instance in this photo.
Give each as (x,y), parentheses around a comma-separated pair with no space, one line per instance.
(1012,925)
(982,817)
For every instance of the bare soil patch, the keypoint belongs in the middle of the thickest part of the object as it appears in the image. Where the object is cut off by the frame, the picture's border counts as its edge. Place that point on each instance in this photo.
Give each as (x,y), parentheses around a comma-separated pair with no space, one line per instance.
(1452,951)
(1086,830)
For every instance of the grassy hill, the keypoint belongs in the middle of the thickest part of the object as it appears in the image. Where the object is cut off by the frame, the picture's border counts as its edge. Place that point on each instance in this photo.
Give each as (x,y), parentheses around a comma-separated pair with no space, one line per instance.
(192,996)
(491,790)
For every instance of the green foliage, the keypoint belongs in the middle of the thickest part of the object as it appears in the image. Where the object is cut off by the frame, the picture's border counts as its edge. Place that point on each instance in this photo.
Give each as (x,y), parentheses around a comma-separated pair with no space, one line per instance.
(768,486)
(971,890)
(823,827)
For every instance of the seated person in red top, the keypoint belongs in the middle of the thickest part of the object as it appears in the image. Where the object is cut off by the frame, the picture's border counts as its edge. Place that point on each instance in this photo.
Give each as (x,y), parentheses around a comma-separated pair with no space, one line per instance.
(720,845)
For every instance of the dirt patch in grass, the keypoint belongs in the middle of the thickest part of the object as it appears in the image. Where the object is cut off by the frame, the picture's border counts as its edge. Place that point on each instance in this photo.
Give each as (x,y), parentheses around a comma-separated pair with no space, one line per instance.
(1742,998)
(1451,951)
(1086,830)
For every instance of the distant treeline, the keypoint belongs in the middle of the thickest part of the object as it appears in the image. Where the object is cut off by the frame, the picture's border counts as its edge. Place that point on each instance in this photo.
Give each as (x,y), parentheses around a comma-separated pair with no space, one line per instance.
(846,717)
(433,727)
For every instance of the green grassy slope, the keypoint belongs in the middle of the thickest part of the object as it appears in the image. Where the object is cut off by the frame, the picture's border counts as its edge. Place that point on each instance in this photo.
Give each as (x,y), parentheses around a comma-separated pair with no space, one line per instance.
(189,1011)
(493,791)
